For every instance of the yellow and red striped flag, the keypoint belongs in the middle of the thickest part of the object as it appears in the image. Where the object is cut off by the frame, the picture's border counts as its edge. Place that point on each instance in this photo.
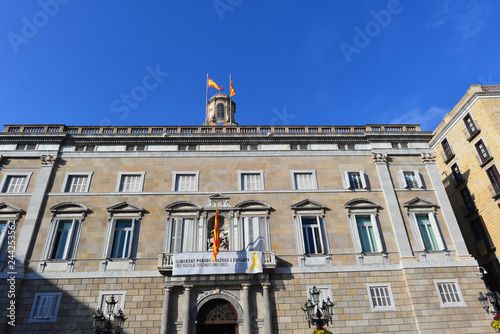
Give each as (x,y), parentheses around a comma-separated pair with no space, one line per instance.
(231,90)
(211,83)
(216,234)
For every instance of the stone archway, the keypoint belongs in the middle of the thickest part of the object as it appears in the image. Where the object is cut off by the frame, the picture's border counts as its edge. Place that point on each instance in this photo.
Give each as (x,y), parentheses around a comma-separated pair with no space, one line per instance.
(217,316)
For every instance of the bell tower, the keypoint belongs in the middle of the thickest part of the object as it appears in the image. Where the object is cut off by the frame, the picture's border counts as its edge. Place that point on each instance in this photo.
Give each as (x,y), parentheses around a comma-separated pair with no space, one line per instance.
(220,111)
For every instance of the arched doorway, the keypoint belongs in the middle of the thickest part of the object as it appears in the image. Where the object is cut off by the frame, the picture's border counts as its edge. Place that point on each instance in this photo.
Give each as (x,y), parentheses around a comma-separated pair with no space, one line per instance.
(217,316)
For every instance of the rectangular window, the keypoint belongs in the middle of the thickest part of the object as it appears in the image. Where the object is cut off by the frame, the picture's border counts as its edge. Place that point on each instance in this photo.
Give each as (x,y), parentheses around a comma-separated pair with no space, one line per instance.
(381,298)
(183,235)
(311,230)
(482,151)
(252,233)
(62,243)
(77,184)
(366,234)
(122,240)
(251,181)
(448,152)
(304,180)
(15,184)
(494,177)
(410,179)
(427,232)
(471,126)
(186,182)
(468,201)
(449,293)
(130,183)
(457,174)
(45,307)
(483,240)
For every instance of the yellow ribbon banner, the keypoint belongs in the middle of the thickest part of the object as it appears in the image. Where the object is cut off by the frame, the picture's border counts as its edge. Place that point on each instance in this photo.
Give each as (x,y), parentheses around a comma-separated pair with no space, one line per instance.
(255,264)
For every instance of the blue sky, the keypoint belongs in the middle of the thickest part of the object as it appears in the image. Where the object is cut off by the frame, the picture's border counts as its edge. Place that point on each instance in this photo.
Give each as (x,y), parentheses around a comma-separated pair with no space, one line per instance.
(123,62)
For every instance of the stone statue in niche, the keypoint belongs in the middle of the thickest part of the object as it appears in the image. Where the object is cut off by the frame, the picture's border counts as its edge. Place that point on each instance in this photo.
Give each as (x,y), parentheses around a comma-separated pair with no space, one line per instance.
(223,234)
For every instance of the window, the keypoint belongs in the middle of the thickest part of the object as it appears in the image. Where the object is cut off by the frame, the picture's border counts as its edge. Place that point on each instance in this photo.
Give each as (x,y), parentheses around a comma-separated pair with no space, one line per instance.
(76,182)
(251,180)
(45,307)
(381,297)
(481,235)
(449,293)
(313,239)
(471,126)
(354,180)
(119,297)
(447,150)
(367,234)
(252,233)
(62,244)
(411,179)
(303,180)
(220,112)
(130,182)
(121,238)
(470,206)
(457,174)
(186,181)
(494,177)
(483,153)
(428,232)
(15,183)
(183,235)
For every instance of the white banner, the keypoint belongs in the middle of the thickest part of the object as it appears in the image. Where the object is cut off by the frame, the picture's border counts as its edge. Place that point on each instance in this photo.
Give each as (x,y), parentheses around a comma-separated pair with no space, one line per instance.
(201,263)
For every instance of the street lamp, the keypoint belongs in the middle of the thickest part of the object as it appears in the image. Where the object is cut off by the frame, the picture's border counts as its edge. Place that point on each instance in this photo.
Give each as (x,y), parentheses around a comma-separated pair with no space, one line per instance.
(493,298)
(113,323)
(316,315)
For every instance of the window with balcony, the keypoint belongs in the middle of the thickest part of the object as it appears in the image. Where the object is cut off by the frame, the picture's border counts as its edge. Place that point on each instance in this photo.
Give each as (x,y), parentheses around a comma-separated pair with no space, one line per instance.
(481,235)
(494,177)
(471,127)
(447,150)
(469,204)
(483,153)
(457,174)
(15,183)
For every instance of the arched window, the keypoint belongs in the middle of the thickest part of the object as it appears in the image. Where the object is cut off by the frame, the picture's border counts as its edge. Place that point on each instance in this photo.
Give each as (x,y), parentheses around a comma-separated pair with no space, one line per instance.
(220,112)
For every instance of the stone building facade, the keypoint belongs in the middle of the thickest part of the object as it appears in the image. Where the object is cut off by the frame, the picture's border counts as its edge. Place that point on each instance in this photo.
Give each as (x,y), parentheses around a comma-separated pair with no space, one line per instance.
(360,212)
(467,144)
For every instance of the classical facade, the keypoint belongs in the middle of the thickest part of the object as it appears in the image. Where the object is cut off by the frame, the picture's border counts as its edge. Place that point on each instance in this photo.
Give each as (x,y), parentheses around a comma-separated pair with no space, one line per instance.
(467,144)
(360,212)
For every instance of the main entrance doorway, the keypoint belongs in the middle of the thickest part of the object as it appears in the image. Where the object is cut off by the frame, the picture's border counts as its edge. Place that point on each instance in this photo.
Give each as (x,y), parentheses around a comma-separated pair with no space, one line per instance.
(217,316)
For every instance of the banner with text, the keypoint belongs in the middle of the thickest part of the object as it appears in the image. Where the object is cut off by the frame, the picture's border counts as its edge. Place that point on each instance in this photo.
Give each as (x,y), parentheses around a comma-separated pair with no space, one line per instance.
(200,263)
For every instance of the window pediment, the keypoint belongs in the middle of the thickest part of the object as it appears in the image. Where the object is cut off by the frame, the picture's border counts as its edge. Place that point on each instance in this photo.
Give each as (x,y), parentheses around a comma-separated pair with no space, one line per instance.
(309,206)
(183,206)
(361,203)
(126,208)
(253,205)
(420,203)
(69,208)
(10,210)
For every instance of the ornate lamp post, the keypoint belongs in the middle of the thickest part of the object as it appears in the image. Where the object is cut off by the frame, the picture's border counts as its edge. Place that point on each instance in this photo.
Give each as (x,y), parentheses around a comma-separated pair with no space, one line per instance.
(316,315)
(493,298)
(113,323)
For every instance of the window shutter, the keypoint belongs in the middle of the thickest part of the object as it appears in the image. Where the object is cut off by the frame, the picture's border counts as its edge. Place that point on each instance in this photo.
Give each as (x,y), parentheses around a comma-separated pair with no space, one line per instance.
(418,176)
(178,222)
(69,243)
(131,238)
(345,180)
(401,177)
(111,237)
(416,232)
(378,238)
(362,176)
(437,232)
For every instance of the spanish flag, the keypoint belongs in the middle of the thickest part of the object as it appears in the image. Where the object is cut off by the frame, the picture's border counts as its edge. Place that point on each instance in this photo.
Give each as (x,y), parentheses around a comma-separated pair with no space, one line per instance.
(216,234)
(211,83)
(231,90)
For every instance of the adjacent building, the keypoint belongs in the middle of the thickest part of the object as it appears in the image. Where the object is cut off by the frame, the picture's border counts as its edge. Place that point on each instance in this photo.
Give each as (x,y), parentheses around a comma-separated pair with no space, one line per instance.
(467,144)
(360,212)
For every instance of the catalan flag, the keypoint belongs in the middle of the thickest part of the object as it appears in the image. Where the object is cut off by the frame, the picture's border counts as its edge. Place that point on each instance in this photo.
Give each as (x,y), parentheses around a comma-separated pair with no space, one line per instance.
(231,90)
(211,83)
(216,234)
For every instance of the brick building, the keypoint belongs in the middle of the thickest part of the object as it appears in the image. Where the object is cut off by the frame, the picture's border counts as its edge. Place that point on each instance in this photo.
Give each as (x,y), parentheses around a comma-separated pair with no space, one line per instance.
(360,212)
(467,143)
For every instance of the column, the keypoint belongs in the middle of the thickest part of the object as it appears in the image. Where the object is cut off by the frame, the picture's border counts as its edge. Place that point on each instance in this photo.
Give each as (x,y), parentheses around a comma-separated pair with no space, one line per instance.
(267,309)
(246,308)
(398,225)
(429,159)
(186,318)
(166,310)
(35,210)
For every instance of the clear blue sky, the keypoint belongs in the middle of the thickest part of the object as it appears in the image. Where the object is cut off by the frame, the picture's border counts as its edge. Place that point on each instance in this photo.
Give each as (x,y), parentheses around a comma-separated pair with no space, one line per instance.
(293,62)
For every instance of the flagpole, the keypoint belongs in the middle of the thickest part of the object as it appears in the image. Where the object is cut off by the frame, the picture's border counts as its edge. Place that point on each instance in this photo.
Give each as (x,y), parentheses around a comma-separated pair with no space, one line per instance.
(230,102)
(206,104)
